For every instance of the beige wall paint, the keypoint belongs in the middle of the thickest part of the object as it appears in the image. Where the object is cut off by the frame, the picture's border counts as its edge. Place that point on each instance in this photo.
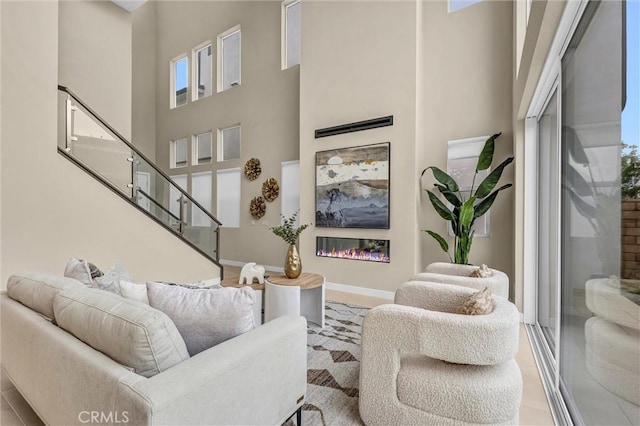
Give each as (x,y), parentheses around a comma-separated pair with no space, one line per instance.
(55,210)
(266,104)
(95,58)
(468,92)
(359,62)
(143,96)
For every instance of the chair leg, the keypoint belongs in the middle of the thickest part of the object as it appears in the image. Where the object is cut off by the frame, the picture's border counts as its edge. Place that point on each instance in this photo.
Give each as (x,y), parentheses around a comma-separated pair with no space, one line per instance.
(299,417)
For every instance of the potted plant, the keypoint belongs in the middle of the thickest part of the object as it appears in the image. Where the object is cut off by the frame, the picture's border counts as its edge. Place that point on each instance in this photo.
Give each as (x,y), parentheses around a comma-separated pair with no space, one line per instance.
(290,234)
(463,212)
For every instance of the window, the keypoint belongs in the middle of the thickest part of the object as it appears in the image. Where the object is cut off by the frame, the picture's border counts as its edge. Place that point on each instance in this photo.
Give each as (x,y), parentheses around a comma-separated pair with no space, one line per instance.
(179,77)
(228,197)
(290,193)
(229,59)
(229,143)
(291,33)
(202,149)
(201,191)
(455,5)
(462,157)
(178,154)
(203,72)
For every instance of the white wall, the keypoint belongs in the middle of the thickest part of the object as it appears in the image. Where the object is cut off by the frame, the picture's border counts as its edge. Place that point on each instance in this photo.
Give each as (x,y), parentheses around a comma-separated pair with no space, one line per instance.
(51,209)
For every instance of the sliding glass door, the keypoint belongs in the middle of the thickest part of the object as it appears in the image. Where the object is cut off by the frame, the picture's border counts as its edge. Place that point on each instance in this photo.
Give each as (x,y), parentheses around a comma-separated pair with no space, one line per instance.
(588,266)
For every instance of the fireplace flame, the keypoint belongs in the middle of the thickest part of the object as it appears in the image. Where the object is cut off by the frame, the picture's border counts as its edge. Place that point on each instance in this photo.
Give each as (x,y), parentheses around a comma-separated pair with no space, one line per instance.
(354,253)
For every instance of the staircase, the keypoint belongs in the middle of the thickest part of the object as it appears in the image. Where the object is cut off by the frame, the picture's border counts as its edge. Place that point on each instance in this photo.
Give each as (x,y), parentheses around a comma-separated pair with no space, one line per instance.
(92,144)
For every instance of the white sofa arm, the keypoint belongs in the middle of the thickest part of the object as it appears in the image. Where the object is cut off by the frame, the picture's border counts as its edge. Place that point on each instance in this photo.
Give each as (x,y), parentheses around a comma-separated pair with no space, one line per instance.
(450,273)
(259,377)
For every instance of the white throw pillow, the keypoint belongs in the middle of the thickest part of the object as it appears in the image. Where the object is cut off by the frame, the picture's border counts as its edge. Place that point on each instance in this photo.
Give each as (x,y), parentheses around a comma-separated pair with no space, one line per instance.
(134,291)
(210,283)
(82,271)
(205,317)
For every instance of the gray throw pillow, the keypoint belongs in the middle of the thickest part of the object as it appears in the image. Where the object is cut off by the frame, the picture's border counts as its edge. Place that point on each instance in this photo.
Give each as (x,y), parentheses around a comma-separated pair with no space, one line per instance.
(205,317)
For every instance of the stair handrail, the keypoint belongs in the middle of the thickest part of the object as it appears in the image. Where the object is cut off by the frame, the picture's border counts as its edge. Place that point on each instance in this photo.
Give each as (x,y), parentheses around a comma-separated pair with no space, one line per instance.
(137,152)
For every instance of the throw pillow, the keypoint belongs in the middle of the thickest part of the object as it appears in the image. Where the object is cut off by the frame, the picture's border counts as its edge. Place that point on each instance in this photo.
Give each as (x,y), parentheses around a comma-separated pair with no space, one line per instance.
(480,303)
(205,317)
(82,271)
(110,281)
(134,291)
(482,272)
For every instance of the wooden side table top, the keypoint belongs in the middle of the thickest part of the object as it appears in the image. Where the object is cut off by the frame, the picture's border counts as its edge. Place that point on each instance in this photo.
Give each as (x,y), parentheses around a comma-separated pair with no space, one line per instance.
(233,282)
(306,280)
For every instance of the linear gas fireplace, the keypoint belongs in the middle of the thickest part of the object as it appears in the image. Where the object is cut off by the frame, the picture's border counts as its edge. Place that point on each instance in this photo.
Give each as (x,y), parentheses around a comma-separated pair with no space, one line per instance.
(353,248)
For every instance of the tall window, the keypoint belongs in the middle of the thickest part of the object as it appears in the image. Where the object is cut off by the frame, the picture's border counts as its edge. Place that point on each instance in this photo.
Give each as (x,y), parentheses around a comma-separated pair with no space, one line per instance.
(228,197)
(229,59)
(201,191)
(178,154)
(290,181)
(202,149)
(179,77)
(291,33)
(229,143)
(203,75)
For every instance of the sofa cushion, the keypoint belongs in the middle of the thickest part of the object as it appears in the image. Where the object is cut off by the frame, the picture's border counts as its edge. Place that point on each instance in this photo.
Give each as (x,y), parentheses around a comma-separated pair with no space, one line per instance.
(129,332)
(205,317)
(36,290)
(110,281)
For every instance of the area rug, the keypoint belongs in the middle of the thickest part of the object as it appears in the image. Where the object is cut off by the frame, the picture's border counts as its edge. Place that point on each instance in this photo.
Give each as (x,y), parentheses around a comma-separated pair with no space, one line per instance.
(333,366)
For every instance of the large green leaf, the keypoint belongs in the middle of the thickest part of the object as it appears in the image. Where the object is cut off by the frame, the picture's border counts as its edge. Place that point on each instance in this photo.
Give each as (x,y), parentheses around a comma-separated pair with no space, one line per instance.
(484,205)
(466,214)
(490,181)
(443,178)
(439,206)
(450,196)
(486,156)
(443,244)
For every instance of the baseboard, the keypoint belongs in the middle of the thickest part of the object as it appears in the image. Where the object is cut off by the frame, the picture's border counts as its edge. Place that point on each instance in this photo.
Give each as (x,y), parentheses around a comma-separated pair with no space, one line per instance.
(363,291)
(240,264)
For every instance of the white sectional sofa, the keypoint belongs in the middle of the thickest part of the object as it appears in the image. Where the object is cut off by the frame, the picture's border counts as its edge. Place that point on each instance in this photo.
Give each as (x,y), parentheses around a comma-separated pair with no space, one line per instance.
(258,377)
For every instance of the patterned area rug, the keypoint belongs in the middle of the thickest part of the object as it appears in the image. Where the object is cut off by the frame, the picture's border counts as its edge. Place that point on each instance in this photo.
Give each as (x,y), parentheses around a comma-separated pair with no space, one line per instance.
(333,366)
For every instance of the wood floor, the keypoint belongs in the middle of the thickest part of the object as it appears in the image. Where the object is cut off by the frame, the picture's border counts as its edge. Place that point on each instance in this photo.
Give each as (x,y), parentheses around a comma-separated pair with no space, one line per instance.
(534,409)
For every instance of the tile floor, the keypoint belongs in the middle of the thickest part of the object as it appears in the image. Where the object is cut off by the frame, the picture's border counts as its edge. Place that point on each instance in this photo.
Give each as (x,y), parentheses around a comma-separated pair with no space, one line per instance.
(534,409)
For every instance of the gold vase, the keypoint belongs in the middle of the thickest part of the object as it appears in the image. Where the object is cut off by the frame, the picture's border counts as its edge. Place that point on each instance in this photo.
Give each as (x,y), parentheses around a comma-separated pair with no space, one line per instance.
(292,263)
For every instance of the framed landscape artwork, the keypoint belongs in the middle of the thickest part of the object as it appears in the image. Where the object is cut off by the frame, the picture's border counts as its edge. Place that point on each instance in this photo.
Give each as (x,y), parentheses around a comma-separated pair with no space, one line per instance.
(352,187)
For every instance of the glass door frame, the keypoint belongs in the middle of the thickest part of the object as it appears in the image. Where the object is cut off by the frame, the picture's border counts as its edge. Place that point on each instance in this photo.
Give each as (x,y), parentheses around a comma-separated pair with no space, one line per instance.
(550,83)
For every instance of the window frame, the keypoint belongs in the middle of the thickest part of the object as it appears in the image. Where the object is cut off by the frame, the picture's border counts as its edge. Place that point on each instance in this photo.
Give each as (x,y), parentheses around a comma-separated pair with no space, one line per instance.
(194,72)
(195,161)
(220,144)
(173,153)
(220,58)
(286,4)
(173,101)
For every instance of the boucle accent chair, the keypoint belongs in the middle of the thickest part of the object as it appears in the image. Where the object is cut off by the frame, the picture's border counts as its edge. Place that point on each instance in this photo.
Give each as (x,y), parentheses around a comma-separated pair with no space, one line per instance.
(424,364)
(451,273)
